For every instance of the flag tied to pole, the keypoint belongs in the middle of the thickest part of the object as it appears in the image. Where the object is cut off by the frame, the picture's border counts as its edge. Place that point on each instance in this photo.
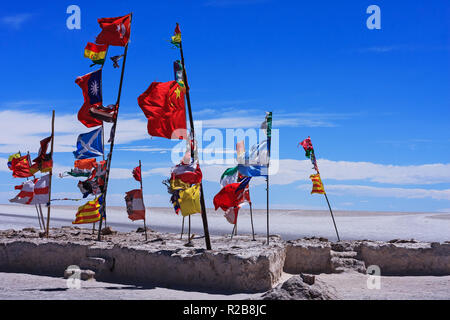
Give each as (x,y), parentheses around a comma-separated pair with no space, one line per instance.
(137,173)
(163,105)
(115,31)
(33,191)
(89,144)
(11,157)
(89,212)
(317,184)
(91,85)
(232,196)
(176,38)
(135,204)
(21,167)
(96,52)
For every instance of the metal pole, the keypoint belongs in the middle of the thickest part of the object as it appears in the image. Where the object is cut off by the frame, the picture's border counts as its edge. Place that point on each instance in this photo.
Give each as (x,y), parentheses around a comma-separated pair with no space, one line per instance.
(232,232)
(191,121)
(251,219)
(42,217)
(182,229)
(108,166)
(51,172)
(332,217)
(267,204)
(39,218)
(142,191)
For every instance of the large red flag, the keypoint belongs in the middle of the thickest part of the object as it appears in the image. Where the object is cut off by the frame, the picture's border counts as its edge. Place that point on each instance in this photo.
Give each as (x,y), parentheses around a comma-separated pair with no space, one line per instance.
(115,31)
(232,195)
(91,84)
(21,167)
(163,105)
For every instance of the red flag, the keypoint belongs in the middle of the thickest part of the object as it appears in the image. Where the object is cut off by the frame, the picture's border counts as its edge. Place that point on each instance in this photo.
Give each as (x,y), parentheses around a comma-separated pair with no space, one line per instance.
(91,84)
(137,173)
(163,105)
(115,31)
(43,150)
(21,167)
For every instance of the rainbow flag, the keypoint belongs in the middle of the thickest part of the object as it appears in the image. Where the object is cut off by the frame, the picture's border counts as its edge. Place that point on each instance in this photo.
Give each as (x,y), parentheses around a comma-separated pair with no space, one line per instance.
(317,184)
(88,213)
(96,52)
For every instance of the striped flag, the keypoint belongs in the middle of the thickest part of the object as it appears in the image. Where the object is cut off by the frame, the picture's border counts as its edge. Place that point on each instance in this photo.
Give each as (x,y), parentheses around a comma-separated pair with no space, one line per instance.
(135,204)
(88,213)
(33,191)
(317,184)
(96,52)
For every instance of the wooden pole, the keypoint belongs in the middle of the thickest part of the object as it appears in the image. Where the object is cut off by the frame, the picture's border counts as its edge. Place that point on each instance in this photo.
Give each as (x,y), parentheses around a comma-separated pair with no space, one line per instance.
(113,134)
(142,191)
(51,172)
(251,220)
(191,122)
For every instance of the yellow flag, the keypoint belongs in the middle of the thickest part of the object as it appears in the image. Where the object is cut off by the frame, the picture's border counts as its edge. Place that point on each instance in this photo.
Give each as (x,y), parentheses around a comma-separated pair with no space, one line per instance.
(317,184)
(190,200)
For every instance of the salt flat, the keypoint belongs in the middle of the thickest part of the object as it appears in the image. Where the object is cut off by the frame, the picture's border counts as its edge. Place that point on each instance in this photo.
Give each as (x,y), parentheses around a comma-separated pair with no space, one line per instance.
(289,224)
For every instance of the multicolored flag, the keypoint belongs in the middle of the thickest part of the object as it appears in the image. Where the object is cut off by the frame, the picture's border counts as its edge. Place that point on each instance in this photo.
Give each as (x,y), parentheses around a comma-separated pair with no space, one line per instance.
(176,38)
(91,85)
(231,195)
(21,167)
(187,173)
(230,175)
(101,113)
(33,191)
(115,31)
(88,213)
(317,184)
(11,157)
(307,146)
(178,72)
(135,204)
(96,52)
(163,106)
(82,168)
(42,153)
(89,144)
(115,60)
(137,174)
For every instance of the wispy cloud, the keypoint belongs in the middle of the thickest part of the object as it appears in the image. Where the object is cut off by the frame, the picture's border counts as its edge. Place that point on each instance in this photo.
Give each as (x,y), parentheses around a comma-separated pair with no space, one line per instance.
(385,192)
(15,21)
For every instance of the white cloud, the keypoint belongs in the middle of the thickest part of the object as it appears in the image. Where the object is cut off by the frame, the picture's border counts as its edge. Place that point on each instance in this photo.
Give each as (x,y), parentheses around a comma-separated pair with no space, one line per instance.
(369,191)
(15,21)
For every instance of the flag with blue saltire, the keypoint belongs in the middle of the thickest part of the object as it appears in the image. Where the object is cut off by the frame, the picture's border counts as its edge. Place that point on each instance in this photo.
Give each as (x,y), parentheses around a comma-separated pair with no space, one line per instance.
(89,144)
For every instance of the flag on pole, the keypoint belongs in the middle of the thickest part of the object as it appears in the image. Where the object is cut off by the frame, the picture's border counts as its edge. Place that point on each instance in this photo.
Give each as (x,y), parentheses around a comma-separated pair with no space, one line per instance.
(101,113)
(43,149)
(240,152)
(163,106)
(187,173)
(89,144)
(135,204)
(21,167)
(115,60)
(115,31)
(256,162)
(91,85)
(88,213)
(178,72)
(231,195)
(307,146)
(189,200)
(82,168)
(317,184)
(137,173)
(33,191)
(11,157)
(230,175)
(176,38)
(96,52)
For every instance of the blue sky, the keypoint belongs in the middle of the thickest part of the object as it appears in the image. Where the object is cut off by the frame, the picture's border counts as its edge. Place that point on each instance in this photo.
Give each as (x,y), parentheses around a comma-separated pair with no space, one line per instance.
(375,102)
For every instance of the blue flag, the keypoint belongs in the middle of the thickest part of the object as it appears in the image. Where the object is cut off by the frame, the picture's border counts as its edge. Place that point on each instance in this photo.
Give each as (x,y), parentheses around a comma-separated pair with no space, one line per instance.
(89,144)
(252,171)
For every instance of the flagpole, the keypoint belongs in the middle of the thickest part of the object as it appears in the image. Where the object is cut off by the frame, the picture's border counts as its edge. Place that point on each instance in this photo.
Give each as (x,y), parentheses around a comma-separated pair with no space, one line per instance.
(142,191)
(251,219)
(51,172)
(326,198)
(191,122)
(269,137)
(113,134)
(182,229)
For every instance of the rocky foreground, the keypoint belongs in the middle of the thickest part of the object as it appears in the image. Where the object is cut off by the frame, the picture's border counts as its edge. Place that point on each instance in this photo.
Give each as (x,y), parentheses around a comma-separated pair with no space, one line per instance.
(309,268)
